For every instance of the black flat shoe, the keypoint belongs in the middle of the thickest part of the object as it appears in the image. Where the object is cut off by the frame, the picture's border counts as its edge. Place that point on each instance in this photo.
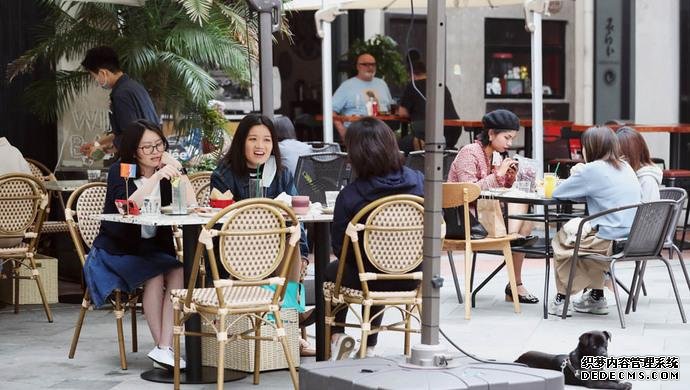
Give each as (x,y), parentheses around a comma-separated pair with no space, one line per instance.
(529,298)
(524,241)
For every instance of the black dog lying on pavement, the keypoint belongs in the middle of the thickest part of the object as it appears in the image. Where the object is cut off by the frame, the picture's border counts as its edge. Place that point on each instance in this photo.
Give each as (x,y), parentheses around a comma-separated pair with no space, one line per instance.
(593,343)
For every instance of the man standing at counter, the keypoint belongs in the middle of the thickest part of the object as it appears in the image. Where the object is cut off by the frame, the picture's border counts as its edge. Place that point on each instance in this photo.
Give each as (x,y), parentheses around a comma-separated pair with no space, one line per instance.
(129,100)
(352,96)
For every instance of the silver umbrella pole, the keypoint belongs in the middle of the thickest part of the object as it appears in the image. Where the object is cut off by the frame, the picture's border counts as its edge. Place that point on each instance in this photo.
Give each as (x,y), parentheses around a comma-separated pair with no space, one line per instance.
(269,22)
(430,351)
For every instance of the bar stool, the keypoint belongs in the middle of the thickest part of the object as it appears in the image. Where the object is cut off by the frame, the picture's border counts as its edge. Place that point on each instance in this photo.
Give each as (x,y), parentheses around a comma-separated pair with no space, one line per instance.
(679,178)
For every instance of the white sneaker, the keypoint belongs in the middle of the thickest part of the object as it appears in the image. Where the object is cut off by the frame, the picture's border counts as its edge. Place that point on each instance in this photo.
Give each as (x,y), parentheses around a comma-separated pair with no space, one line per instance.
(165,357)
(590,305)
(342,347)
(371,352)
(556,308)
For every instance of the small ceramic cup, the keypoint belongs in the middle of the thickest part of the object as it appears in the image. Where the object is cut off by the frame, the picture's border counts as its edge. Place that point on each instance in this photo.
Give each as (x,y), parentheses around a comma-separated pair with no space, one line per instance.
(300,204)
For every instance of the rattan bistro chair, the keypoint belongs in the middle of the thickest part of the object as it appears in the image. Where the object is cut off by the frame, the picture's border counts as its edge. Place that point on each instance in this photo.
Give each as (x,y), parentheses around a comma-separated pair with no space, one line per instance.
(392,240)
(43,174)
(23,203)
(200,180)
(84,202)
(645,242)
(462,194)
(253,242)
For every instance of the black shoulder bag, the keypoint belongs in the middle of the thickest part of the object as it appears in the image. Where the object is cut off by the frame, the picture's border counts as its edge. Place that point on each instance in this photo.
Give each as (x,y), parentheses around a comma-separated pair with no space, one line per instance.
(455,228)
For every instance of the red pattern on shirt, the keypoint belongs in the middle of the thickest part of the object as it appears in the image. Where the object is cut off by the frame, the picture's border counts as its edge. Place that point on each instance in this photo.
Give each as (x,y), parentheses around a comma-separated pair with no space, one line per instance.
(471,165)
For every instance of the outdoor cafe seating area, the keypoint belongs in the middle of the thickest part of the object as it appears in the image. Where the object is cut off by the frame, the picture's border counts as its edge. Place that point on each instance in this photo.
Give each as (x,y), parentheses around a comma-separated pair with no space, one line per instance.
(344,194)
(118,328)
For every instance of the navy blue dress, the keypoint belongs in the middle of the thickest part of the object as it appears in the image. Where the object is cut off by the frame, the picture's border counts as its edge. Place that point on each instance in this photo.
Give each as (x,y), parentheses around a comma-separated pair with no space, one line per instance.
(120,258)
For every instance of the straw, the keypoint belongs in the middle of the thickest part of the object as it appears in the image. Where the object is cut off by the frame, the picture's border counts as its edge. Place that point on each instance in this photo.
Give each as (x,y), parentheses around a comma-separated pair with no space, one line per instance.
(556,170)
(258,179)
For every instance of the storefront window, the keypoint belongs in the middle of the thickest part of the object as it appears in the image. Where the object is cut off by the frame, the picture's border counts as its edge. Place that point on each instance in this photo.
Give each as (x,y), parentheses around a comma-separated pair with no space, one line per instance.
(508,70)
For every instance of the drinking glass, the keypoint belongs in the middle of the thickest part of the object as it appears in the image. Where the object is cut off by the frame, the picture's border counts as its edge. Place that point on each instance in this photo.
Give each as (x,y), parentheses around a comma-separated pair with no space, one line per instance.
(331,196)
(256,188)
(93,174)
(550,180)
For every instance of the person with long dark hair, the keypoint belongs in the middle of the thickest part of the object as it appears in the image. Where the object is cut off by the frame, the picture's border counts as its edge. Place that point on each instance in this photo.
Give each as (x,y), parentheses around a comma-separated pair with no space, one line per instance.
(254,154)
(634,150)
(378,166)
(126,256)
(605,181)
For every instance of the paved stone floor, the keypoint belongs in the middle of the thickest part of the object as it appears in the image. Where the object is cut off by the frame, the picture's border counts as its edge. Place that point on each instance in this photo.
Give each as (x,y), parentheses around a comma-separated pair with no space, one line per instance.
(33,353)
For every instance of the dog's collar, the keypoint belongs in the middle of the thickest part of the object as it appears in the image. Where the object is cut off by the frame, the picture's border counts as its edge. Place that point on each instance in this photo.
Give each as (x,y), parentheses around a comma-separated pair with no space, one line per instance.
(567,363)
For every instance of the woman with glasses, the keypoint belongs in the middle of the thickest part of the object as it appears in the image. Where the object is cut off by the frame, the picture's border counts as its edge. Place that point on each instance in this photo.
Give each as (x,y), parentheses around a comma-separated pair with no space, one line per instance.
(125,256)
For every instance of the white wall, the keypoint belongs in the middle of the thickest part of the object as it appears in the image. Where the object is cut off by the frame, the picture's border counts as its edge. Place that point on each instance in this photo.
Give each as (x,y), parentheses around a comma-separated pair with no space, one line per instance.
(657,74)
(584,62)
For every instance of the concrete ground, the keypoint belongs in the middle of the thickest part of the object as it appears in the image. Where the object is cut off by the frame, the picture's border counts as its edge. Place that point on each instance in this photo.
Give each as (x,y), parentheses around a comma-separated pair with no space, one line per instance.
(33,352)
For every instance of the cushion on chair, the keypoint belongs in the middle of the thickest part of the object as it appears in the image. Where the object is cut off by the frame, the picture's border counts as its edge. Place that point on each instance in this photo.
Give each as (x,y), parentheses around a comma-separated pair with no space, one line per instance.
(19,249)
(347,292)
(235,297)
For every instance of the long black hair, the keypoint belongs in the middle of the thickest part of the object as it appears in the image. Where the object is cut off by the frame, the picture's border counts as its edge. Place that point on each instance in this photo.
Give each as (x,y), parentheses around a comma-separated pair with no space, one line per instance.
(235,157)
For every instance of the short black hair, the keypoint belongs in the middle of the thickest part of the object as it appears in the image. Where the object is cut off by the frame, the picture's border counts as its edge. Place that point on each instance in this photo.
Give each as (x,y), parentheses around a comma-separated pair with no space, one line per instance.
(102,57)
(284,128)
(372,148)
(235,157)
(130,138)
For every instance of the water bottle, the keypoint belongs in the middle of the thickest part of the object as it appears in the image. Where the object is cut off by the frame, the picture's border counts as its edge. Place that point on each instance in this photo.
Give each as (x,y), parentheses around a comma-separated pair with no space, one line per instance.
(179,197)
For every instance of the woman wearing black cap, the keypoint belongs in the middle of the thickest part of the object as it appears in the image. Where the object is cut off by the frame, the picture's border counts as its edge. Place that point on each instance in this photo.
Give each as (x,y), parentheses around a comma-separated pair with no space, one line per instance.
(481,163)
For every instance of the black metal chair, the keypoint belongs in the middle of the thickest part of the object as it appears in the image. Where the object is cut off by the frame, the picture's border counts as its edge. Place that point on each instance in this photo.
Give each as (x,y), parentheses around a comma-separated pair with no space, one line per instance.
(324,147)
(415,160)
(645,242)
(320,172)
(679,196)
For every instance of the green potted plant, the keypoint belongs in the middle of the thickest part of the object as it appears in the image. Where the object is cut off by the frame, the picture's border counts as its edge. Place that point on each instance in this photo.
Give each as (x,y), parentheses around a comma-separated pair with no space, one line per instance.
(169,45)
(389,62)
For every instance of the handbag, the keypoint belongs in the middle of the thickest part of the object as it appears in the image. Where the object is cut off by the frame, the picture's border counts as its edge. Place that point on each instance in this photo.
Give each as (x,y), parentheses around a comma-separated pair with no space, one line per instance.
(455,228)
(491,217)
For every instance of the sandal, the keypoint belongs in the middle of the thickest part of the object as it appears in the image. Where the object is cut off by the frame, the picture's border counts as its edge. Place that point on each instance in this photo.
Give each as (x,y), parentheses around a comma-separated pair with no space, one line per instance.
(524,241)
(528,298)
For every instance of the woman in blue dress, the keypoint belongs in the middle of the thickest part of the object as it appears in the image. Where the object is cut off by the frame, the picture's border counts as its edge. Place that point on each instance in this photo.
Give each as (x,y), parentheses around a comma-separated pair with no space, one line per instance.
(127,256)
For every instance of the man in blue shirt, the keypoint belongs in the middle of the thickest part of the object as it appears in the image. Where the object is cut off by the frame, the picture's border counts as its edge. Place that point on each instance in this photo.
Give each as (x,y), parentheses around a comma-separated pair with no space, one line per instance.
(353,94)
(129,100)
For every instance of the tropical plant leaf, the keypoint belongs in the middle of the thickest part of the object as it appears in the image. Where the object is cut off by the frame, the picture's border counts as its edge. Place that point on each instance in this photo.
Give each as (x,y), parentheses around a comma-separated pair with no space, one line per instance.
(168,45)
(198,10)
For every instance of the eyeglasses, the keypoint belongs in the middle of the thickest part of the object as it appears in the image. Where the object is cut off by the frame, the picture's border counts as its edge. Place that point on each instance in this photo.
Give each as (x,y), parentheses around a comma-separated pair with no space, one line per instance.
(159,146)
(373,64)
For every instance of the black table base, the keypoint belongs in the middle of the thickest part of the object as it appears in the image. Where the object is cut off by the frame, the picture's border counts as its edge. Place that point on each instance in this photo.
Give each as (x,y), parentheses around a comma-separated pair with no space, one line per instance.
(208,375)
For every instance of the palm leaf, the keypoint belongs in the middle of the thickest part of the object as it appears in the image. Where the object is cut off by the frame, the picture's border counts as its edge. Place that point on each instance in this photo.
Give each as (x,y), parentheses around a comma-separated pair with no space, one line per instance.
(198,10)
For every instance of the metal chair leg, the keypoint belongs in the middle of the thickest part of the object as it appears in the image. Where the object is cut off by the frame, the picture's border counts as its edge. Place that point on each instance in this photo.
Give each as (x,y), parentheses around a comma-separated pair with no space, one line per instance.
(616,294)
(455,276)
(682,264)
(675,290)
